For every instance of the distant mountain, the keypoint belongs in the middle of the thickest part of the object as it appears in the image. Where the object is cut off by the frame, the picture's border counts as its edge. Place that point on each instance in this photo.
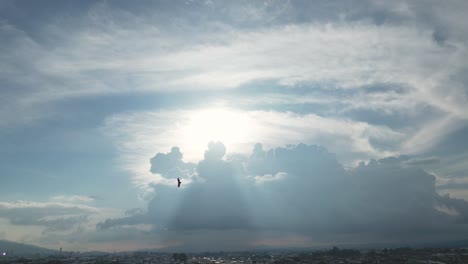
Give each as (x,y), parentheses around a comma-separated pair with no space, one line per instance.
(19,249)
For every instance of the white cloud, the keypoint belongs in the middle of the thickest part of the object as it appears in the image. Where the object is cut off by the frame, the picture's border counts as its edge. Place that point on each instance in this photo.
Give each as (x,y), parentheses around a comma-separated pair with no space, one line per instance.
(74,198)
(269,177)
(431,133)
(335,54)
(55,207)
(52,216)
(347,55)
(139,136)
(331,55)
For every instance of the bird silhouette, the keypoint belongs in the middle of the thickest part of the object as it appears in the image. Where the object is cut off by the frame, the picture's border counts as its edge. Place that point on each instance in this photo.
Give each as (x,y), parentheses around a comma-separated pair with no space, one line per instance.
(178,182)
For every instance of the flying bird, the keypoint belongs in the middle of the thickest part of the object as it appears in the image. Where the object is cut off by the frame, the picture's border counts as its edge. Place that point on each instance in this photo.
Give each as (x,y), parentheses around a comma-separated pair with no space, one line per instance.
(178,182)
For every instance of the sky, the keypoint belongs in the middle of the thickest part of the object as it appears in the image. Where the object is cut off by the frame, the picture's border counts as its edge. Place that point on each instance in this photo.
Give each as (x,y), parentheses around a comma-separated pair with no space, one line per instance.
(290,123)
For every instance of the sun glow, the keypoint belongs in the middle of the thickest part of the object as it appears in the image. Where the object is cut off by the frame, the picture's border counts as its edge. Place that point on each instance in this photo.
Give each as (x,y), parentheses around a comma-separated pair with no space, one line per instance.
(233,128)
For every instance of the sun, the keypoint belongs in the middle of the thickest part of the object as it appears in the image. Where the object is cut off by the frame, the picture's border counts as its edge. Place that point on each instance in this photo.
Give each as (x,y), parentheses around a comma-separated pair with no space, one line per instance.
(231,127)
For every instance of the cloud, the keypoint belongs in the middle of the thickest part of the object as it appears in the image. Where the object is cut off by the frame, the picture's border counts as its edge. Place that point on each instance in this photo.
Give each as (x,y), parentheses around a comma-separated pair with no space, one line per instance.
(138,135)
(54,216)
(74,198)
(447,183)
(428,14)
(134,217)
(60,224)
(423,161)
(348,52)
(460,206)
(215,151)
(215,178)
(305,191)
(268,177)
(204,204)
(171,165)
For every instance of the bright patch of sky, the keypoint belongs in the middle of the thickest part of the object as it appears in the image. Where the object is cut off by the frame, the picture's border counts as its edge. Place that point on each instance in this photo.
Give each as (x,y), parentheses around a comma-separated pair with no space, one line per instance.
(362,104)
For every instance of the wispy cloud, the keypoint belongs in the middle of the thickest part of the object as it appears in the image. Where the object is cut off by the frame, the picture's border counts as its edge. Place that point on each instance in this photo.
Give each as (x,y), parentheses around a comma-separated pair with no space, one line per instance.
(54,216)
(74,198)
(348,55)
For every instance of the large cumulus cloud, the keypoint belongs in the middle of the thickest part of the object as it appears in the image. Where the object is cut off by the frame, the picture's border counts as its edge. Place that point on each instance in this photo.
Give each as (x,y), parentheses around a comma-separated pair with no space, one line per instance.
(216,200)
(303,189)
(170,165)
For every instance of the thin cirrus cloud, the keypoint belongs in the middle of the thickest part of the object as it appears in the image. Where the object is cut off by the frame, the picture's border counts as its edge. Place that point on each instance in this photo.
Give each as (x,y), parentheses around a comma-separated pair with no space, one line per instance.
(74,198)
(340,54)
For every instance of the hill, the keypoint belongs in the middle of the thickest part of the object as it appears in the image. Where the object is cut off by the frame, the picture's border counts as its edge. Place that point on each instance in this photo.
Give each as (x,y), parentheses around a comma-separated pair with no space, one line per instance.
(19,249)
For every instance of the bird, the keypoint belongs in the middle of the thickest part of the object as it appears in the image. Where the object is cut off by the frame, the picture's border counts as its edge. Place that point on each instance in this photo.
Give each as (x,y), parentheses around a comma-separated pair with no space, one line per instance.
(178,182)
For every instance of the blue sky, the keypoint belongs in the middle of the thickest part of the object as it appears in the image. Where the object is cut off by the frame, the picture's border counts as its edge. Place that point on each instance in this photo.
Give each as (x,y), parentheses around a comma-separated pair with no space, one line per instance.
(290,123)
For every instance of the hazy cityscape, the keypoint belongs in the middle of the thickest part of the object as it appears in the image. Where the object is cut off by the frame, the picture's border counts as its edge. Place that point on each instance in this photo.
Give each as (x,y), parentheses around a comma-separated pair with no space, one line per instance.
(330,256)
